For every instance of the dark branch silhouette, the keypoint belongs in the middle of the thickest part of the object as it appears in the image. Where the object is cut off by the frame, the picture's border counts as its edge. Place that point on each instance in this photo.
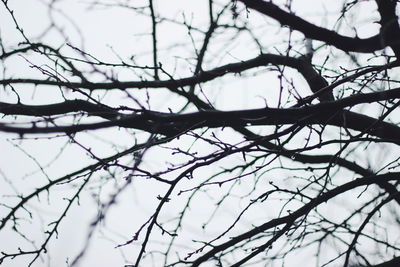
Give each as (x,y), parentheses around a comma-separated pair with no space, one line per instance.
(242,133)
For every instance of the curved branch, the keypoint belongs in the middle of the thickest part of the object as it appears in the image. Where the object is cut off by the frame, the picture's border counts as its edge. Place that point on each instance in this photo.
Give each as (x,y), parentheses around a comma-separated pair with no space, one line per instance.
(289,219)
(314,80)
(35,47)
(311,31)
(203,76)
(363,225)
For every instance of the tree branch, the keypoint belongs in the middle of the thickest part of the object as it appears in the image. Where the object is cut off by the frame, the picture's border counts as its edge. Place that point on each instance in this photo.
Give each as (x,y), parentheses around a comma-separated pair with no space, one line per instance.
(298,213)
(311,31)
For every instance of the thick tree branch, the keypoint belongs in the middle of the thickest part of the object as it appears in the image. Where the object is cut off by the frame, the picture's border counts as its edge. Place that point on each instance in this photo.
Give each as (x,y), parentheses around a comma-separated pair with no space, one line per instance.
(329,113)
(390,29)
(311,31)
(59,108)
(392,263)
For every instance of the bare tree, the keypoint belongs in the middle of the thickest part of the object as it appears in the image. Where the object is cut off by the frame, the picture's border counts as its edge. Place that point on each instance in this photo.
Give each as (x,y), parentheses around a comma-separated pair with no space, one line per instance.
(227,133)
